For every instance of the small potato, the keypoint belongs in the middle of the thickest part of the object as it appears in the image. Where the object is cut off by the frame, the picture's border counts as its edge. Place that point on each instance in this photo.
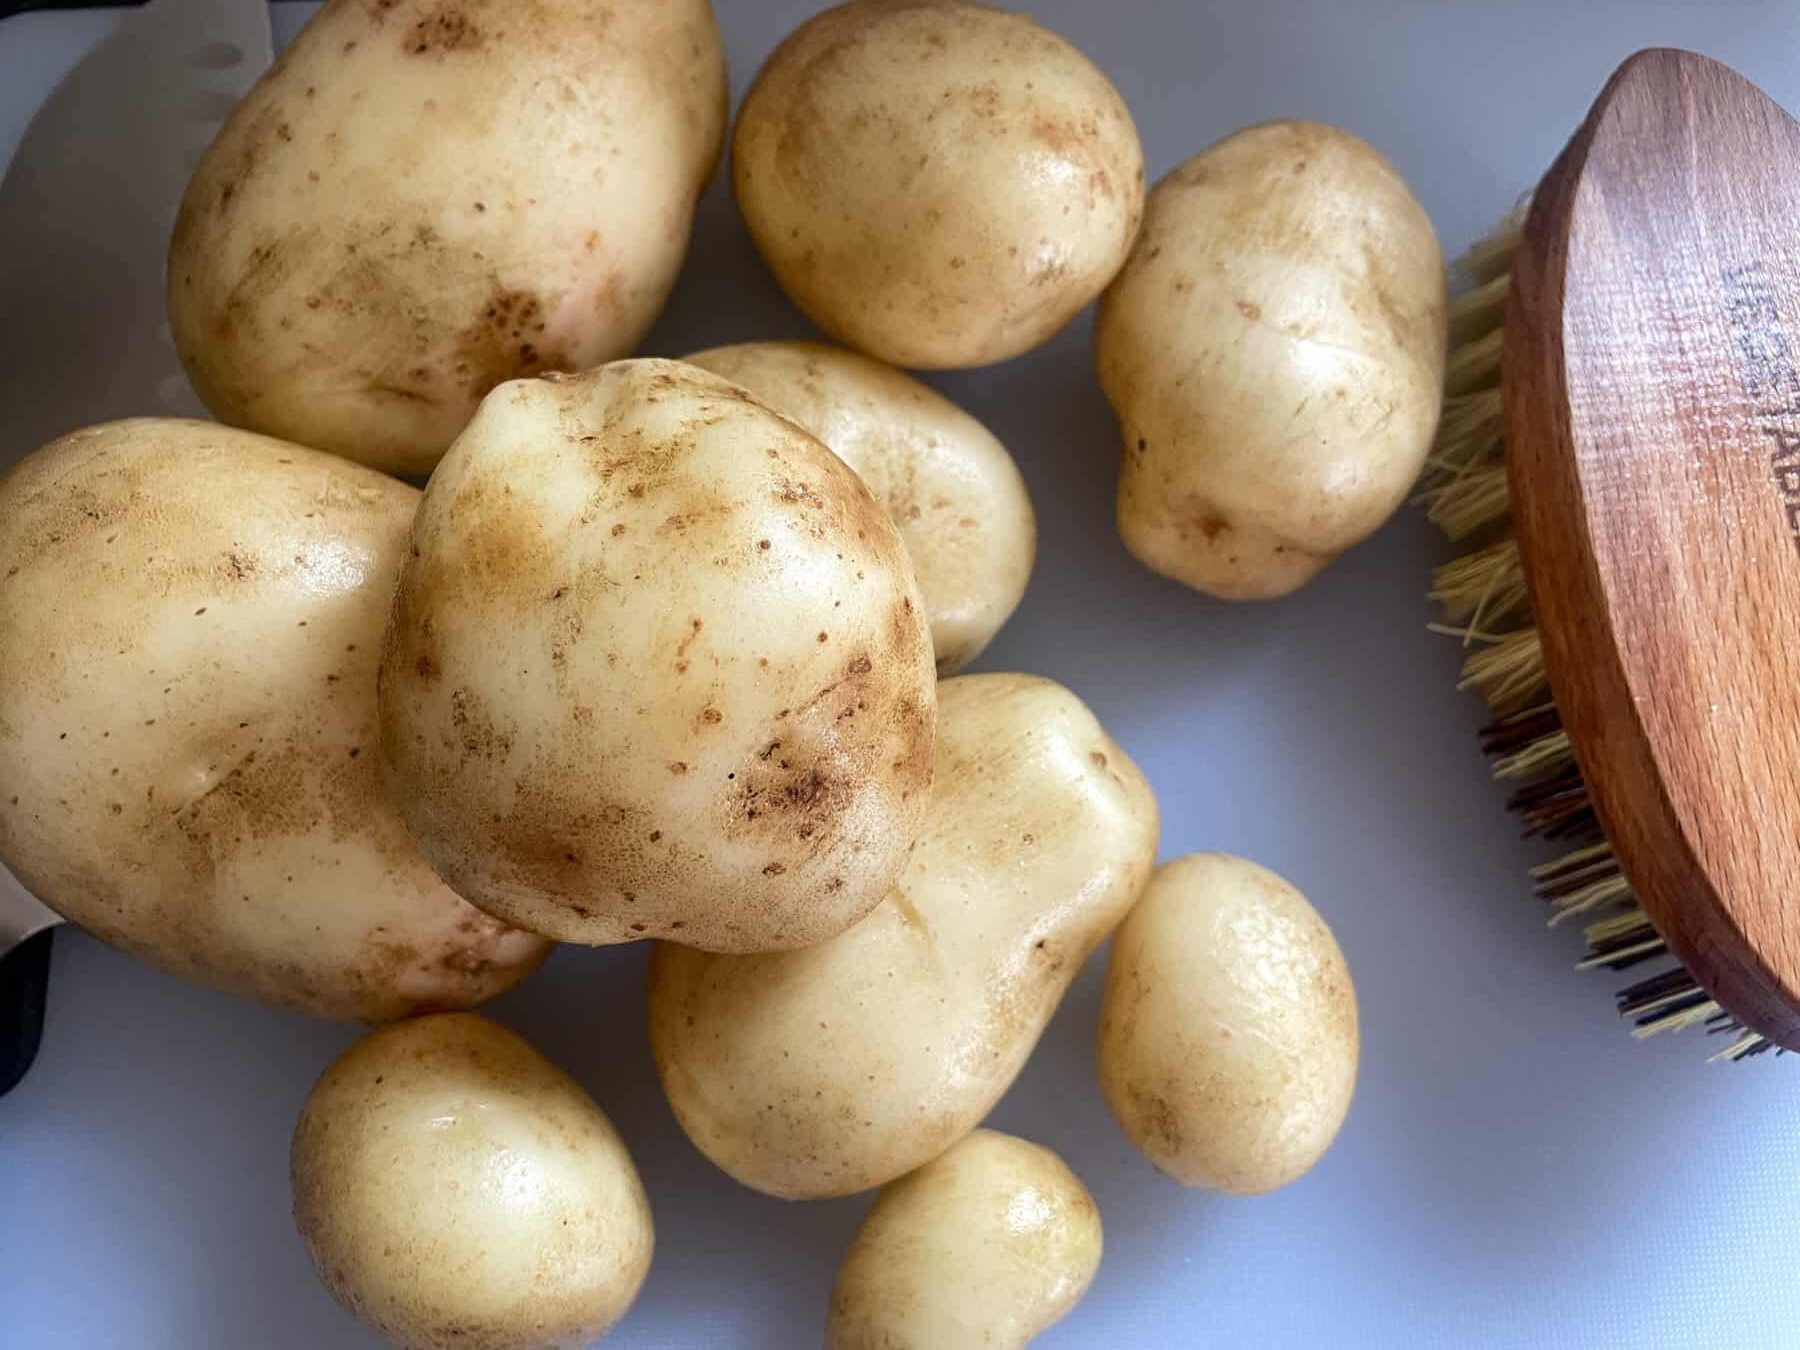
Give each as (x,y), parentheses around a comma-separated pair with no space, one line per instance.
(831,1070)
(1228,1037)
(987,1245)
(456,1191)
(190,618)
(934,182)
(948,484)
(658,667)
(1274,351)
(424,198)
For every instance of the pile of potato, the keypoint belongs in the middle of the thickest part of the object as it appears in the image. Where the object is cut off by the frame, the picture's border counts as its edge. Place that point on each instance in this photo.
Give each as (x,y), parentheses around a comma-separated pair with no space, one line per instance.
(666,649)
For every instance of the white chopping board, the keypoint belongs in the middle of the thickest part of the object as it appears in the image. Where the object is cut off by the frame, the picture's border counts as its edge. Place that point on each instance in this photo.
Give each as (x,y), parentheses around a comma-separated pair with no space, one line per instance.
(1515,1171)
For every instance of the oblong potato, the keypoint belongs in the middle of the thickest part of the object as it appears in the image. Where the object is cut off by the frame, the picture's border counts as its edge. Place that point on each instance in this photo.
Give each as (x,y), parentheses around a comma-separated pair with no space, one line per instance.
(1228,1031)
(190,618)
(456,1191)
(936,183)
(1274,351)
(827,1071)
(421,200)
(658,667)
(949,485)
(986,1245)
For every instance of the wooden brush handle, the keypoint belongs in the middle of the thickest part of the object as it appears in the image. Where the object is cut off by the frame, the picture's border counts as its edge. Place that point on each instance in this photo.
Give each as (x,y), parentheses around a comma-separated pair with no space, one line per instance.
(1651,380)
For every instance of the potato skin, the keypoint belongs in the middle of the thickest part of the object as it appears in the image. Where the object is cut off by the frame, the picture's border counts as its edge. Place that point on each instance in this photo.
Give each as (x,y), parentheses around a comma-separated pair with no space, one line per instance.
(424,198)
(831,1070)
(456,1191)
(1274,351)
(936,183)
(1228,1029)
(658,667)
(952,489)
(988,1244)
(190,618)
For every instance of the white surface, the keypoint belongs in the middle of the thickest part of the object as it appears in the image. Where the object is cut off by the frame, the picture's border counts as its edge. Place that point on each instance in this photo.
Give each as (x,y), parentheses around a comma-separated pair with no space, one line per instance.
(1515,1171)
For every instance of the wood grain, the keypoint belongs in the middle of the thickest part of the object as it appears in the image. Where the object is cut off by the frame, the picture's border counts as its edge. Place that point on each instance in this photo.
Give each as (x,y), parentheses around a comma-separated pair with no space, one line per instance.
(1652,387)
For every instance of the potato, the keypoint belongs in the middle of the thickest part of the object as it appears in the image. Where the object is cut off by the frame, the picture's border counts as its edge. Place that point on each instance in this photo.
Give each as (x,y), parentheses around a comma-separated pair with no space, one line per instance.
(456,1191)
(1274,351)
(1228,1037)
(987,1245)
(658,667)
(423,199)
(190,618)
(948,484)
(827,1071)
(934,182)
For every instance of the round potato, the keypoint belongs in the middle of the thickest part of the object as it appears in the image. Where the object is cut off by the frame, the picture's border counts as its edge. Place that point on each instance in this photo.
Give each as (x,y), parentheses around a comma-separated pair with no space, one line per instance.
(987,1245)
(456,1191)
(1228,1036)
(421,200)
(658,667)
(1274,351)
(948,484)
(190,618)
(936,183)
(831,1070)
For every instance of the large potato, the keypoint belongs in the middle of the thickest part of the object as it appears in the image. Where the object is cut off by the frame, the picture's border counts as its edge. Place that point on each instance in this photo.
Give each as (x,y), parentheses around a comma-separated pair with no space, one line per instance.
(424,198)
(190,618)
(456,1191)
(934,182)
(1274,350)
(987,1245)
(948,484)
(827,1071)
(658,667)
(1228,1033)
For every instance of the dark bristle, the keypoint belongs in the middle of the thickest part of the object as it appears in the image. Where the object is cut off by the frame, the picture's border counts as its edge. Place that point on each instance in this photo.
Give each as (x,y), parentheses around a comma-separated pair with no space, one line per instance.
(1563,878)
(1723,1023)
(1624,951)
(1556,807)
(1515,732)
(1661,995)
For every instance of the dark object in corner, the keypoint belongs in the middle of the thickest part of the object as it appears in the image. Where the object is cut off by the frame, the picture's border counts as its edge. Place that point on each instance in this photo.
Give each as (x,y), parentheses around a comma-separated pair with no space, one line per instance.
(24,980)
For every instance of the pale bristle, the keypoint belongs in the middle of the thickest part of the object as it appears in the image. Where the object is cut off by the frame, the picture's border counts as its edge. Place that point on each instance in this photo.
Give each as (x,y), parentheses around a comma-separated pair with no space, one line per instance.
(1473,501)
(1468,432)
(1621,940)
(1475,365)
(1492,256)
(1486,605)
(1507,669)
(1464,489)
(1482,588)
(1480,310)
(1545,755)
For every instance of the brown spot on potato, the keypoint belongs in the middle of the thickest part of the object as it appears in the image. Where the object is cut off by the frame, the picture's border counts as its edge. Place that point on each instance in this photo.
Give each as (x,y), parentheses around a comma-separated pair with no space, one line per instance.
(476,728)
(446,29)
(504,340)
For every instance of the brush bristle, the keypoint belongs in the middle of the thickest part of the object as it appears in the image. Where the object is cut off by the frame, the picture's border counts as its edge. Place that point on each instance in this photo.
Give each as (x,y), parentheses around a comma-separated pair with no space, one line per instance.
(1486,606)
